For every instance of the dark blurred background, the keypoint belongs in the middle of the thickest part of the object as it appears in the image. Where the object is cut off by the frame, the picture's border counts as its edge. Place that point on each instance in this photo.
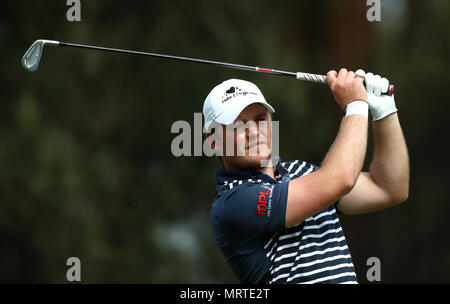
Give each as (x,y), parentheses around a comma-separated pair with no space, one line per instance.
(86,168)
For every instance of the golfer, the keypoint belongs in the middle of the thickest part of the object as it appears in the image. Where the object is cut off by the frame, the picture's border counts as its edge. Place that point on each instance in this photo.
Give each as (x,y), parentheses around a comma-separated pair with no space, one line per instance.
(277,222)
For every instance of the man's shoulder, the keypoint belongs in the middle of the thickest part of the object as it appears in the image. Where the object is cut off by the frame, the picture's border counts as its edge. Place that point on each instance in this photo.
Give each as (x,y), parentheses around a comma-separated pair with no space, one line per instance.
(239,189)
(232,186)
(297,168)
(297,161)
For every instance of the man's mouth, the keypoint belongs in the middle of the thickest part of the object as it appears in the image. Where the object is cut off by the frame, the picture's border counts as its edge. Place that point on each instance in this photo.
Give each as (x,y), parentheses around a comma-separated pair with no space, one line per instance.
(256,145)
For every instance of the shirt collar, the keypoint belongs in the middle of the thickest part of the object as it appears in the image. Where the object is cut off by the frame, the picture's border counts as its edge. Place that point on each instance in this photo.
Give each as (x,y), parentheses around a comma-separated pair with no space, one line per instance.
(223,175)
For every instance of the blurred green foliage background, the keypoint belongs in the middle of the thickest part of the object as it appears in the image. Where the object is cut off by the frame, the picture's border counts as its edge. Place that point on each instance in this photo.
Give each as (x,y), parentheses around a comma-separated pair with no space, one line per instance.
(85,163)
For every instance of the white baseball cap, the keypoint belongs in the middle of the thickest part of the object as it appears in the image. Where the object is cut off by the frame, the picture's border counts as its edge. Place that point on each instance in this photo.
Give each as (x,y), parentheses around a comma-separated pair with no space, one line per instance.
(227,100)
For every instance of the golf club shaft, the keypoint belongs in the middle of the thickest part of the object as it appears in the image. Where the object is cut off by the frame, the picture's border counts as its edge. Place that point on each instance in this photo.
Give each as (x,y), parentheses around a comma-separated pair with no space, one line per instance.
(224,64)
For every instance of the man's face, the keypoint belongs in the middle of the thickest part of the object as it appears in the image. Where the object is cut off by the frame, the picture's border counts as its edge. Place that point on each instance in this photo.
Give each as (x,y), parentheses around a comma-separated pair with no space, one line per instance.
(246,144)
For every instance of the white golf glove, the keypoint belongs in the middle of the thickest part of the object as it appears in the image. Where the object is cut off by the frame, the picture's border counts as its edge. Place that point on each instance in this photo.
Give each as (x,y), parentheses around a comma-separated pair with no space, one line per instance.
(380,105)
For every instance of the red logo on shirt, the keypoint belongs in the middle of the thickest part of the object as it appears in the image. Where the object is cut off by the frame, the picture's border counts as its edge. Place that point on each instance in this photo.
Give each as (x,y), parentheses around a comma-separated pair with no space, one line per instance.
(262,203)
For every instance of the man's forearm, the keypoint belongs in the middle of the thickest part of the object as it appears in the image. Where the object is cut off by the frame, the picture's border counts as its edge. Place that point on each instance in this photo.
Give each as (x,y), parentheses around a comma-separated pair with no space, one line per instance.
(390,164)
(346,155)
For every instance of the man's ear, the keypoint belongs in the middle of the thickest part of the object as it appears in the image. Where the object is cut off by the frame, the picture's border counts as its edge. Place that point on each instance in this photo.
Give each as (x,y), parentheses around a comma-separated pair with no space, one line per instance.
(211,140)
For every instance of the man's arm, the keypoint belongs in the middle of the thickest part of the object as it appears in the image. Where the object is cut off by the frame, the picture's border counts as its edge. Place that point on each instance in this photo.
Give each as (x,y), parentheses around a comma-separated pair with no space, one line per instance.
(340,169)
(387,182)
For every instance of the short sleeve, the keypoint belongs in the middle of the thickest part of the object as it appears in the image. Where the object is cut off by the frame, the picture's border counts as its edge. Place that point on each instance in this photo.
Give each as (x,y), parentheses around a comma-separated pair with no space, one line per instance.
(255,210)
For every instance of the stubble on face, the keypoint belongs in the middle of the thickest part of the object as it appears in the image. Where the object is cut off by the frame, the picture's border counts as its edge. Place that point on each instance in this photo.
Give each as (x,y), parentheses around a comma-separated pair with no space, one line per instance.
(250,136)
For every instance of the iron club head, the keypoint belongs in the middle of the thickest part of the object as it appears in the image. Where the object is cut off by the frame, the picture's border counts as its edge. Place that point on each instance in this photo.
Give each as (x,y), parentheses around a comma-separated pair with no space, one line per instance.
(32,57)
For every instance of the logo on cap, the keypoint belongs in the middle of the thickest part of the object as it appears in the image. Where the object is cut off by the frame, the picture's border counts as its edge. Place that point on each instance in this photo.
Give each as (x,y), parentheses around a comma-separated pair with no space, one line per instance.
(233,92)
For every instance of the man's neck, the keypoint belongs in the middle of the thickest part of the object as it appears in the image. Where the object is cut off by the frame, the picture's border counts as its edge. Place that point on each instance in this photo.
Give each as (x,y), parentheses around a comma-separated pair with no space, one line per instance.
(268,170)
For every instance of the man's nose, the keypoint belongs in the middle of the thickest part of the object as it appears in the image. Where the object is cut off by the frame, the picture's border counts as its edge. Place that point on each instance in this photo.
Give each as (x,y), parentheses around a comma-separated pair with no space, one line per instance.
(252,130)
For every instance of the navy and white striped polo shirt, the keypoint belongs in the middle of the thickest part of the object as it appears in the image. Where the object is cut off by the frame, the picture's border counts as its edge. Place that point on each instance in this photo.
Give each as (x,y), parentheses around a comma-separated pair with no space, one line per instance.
(248,219)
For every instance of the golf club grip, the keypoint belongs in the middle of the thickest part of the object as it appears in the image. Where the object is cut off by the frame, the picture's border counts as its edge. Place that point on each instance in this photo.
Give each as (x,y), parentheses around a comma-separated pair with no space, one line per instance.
(323,79)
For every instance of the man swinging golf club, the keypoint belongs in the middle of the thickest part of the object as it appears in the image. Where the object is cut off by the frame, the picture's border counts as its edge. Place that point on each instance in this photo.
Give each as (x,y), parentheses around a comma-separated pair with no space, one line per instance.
(276,222)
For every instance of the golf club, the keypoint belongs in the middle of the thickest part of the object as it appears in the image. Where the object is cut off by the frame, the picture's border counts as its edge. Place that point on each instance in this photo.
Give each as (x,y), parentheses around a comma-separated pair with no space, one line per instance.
(33,55)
